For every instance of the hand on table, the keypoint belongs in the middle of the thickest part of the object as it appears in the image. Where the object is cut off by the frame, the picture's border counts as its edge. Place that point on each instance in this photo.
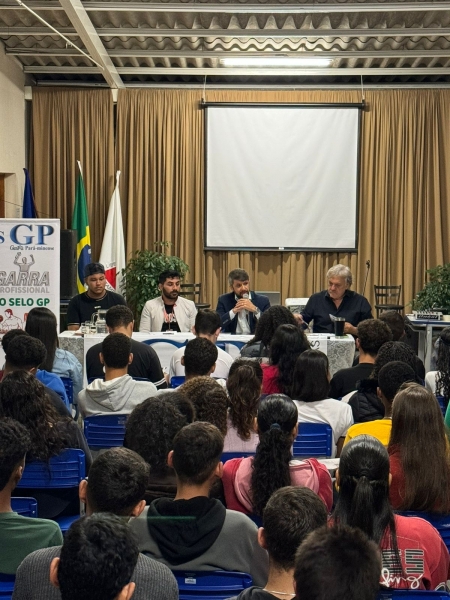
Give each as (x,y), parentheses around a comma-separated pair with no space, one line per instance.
(349,328)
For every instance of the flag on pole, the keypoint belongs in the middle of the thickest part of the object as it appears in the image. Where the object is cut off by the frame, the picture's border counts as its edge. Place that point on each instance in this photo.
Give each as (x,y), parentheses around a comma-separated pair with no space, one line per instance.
(80,222)
(112,255)
(28,207)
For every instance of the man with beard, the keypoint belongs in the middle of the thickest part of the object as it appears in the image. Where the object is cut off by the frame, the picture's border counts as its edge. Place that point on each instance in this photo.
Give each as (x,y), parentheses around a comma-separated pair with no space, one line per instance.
(168,312)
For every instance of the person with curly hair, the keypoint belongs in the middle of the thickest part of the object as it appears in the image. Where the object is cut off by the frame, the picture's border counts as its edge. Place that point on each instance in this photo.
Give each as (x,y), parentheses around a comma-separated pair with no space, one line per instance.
(209,399)
(269,321)
(149,431)
(288,342)
(438,382)
(244,391)
(23,398)
(249,482)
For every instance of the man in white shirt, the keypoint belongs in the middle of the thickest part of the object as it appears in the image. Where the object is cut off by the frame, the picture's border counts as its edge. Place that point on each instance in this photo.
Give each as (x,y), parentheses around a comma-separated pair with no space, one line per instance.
(170,311)
(207,325)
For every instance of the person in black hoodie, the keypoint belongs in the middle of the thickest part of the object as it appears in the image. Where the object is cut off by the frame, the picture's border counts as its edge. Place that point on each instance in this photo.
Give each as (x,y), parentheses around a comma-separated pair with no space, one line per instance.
(193,531)
(289,516)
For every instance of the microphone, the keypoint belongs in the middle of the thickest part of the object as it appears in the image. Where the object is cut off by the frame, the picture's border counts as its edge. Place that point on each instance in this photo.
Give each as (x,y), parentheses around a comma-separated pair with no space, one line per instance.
(245,297)
(367,274)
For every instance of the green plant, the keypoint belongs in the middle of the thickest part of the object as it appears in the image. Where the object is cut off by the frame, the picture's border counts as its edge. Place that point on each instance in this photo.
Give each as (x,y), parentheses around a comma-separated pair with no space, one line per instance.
(436,291)
(140,276)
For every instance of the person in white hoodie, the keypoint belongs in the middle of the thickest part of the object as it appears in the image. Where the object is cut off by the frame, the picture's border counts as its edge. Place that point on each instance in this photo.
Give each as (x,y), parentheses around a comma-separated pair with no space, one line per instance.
(119,392)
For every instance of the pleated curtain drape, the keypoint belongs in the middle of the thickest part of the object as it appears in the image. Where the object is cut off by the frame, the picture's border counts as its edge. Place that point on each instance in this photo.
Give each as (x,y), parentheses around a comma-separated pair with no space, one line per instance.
(404,184)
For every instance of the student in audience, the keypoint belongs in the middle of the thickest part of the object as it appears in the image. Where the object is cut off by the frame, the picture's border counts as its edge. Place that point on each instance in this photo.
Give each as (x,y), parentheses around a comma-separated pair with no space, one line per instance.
(25,352)
(249,482)
(23,398)
(18,535)
(395,322)
(97,560)
(371,335)
(119,319)
(438,382)
(288,342)
(244,391)
(207,325)
(119,392)
(413,553)
(41,324)
(290,515)
(209,399)
(418,433)
(199,358)
(310,392)
(150,430)
(337,563)
(390,378)
(117,482)
(193,531)
(269,321)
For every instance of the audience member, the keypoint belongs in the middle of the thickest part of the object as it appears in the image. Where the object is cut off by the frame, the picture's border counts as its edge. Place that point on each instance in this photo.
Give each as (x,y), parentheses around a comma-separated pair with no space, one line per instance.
(97,560)
(199,358)
(290,515)
(390,378)
(150,431)
(244,391)
(310,392)
(19,536)
(119,392)
(438,382)
(371,335)
(41,324)
(23,398)
(418,432)
(395,322)
(337,563)
(249,482)
(413,553)
(119,319)
(270,320)
(170,311)
(288,342)
(209,399)
(207,325)
(117,483)
(194,531)
(22,352)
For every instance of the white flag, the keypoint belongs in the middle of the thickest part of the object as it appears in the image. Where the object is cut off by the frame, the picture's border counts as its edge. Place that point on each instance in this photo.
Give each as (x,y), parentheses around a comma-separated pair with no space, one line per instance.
(112,255)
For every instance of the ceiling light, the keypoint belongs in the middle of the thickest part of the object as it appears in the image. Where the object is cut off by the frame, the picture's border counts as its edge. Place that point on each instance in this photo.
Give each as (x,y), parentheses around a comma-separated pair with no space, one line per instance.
(275,61)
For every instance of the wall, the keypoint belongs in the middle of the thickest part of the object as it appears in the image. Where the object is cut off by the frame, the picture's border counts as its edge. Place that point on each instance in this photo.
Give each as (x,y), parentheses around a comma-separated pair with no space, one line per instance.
(12,132)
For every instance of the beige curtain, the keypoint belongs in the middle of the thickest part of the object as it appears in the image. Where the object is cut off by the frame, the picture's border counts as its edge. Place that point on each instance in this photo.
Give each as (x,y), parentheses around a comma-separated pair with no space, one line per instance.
(70,125)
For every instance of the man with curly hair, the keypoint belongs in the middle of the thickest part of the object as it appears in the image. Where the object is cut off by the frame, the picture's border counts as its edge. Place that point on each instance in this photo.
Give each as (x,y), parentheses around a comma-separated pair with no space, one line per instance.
(209,399)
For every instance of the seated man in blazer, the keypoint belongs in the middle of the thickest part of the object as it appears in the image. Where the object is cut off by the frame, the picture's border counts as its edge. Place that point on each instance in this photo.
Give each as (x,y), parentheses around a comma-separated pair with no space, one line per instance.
(240,309)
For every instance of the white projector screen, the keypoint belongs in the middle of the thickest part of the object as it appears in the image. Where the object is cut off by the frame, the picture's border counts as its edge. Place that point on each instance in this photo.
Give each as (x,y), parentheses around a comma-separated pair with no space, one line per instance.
(281,177)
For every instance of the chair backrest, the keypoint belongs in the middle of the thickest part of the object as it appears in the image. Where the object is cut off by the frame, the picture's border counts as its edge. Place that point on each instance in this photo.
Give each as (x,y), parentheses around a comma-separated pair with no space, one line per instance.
(177,380)
(412,595)
(211,585)
(150,342)
(313,440)
(6,586)
(63,471)
(25,507)
(192,291)
(442,404)
(229,455)
(387,294)
(105,431)
(68,384)
(439,522)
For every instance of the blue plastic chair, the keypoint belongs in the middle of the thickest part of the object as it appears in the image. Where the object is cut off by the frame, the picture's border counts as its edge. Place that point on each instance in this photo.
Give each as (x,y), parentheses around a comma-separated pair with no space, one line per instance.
(177,380)
(313,440)
(6,586)
(25,507)
(412,595)
(442,404)
(105,431)
(211,585)
(64,471)
(229,455)
(440,522)
(68,385)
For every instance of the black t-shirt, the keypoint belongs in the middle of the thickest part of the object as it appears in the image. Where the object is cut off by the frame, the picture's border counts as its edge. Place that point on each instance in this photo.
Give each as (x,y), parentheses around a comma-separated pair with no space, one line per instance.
(81,307)
(345,380)
(145,363)
(173,325)
(354,308)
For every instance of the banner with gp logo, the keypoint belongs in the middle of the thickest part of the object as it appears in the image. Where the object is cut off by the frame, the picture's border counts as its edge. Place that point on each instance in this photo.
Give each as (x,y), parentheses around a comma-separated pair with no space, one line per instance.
(29,269)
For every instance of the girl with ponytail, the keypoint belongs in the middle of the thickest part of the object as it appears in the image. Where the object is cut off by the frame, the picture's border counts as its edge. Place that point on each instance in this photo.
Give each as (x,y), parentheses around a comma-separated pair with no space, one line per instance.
(249,482)
(413,553)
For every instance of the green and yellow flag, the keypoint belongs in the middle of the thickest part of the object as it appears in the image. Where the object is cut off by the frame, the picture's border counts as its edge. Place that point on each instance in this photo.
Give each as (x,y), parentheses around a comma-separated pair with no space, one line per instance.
(80,222)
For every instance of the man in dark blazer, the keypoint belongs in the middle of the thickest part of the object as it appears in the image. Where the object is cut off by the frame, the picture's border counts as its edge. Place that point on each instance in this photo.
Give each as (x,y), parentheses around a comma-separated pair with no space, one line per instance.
(240,309)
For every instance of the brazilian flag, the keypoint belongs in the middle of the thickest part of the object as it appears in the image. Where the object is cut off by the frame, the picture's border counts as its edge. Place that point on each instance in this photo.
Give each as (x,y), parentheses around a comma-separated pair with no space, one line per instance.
(80,222)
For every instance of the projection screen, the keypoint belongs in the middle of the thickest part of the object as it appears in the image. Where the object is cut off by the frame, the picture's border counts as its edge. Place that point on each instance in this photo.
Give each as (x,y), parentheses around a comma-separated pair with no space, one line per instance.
(281,177)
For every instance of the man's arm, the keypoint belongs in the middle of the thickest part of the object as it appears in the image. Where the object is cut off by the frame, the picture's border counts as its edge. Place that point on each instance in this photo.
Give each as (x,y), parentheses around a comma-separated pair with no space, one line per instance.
(224,313)
(307,313)
(146,320)
(73,315)
(154,370)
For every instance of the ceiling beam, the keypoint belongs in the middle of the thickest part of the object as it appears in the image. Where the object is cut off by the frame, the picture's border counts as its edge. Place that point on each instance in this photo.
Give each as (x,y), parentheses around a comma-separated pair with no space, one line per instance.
(88,34)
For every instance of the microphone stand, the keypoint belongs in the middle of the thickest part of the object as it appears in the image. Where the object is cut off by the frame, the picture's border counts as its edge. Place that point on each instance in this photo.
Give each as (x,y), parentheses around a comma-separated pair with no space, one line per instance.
(367,274)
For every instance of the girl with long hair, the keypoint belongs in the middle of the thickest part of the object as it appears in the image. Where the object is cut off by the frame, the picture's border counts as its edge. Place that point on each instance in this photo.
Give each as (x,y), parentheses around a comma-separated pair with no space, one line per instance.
(244,385)
(249,482)
(267,324)
(418,428)
(41,324)
(438,382)
(413,553)
(288,342)
(310,392)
